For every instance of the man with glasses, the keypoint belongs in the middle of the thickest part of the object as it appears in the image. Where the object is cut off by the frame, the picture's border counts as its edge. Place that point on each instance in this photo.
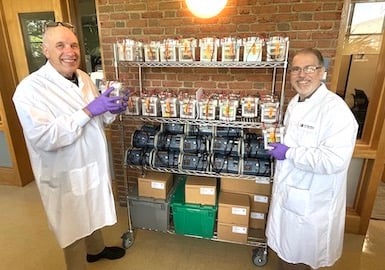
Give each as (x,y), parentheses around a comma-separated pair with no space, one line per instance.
(63,117)
(305,226)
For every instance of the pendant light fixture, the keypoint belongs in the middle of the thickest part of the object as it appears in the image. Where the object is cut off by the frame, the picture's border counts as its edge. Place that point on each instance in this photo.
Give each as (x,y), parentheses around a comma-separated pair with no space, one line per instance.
(206,8)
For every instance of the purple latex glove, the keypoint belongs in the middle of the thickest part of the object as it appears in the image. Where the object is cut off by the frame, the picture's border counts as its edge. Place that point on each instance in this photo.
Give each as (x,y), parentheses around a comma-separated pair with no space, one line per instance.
(279,151)
(104,103)
(123,103)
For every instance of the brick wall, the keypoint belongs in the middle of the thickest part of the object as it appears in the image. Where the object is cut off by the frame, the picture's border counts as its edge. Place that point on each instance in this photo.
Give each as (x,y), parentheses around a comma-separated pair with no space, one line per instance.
(307,23)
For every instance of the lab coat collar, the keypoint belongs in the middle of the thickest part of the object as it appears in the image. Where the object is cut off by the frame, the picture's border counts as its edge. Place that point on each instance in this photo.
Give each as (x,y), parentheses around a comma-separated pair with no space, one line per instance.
(52,74)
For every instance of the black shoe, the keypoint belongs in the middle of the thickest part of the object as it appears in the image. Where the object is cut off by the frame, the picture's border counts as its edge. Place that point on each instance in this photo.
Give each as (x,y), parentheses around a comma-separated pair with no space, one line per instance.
(111,253)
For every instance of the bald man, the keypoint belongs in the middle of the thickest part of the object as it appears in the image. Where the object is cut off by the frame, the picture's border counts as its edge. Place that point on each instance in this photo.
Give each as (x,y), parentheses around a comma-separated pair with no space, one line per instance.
(63,116)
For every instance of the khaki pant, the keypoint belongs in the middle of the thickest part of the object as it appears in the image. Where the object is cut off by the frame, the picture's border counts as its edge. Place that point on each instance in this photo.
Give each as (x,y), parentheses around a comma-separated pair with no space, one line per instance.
(75,254)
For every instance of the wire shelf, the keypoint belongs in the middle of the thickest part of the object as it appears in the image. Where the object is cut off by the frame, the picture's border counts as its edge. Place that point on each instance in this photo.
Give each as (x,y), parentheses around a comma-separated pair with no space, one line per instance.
(262,64)
(241,123)
(257,179)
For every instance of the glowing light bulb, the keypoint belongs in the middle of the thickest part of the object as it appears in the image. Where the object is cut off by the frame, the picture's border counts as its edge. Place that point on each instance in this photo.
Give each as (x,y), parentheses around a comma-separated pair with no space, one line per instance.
(206,8)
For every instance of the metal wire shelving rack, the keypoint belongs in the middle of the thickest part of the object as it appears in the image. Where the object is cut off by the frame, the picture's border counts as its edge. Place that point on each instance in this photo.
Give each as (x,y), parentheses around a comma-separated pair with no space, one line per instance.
(257,240)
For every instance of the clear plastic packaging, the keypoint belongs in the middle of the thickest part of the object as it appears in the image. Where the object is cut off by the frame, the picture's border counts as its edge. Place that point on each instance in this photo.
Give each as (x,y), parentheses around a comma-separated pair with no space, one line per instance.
(151,52)
(187,48)
(230,49)
(276,48)
(249,106)
(252,49)
(208,49)
(169,50)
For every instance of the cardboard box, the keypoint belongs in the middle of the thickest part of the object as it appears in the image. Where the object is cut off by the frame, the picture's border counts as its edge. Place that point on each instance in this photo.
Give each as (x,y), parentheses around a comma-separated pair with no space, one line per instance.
(234,208)
(239,185)
(232,232)
(257,220)
(201,190)
(258,203)
(155,184)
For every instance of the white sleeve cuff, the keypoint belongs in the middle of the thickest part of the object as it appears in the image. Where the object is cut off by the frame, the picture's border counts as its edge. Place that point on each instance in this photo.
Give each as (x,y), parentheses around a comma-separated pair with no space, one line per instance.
(81,118)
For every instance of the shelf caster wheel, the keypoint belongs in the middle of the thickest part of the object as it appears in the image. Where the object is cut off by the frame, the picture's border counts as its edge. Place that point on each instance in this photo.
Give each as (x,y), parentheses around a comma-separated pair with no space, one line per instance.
(260,256)
(127,240)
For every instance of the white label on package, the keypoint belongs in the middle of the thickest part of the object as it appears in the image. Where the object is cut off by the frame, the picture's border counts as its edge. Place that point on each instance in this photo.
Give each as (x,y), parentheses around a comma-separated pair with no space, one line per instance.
(207,191)
(255,215)
(238,211)
(262,180)
(261,199)
(239,229)
(157,185)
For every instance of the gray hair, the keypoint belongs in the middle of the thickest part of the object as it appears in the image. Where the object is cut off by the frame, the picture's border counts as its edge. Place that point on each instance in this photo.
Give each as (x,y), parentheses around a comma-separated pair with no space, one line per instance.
(314,52)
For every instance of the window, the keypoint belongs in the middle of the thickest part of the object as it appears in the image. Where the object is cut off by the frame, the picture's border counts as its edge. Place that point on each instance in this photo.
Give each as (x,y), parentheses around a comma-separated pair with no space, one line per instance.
(367,18)
(359,59)
(32,25)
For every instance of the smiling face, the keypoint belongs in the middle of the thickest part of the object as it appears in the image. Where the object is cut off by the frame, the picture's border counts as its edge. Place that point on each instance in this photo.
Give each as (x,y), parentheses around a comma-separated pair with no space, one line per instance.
(61,48)
(306,83)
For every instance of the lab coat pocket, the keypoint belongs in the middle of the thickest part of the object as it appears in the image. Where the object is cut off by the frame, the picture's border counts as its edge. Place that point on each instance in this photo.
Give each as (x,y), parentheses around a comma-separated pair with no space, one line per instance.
(307,134)
(296,200)
(84,179)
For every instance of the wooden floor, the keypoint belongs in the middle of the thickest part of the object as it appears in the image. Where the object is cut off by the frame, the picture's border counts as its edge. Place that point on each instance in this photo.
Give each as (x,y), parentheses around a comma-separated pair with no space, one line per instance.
(28,244)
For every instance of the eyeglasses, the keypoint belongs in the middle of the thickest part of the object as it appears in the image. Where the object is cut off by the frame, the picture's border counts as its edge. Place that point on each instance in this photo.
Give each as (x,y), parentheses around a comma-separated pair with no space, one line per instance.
(306,70)
(54,24)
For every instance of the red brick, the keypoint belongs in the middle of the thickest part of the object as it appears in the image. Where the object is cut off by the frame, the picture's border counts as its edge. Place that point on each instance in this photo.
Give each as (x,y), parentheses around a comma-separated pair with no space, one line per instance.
(307,7)
(307,23)
(327,16)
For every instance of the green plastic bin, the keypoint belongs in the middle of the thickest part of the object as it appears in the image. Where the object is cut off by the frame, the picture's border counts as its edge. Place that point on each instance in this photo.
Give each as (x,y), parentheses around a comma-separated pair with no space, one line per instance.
(192,219)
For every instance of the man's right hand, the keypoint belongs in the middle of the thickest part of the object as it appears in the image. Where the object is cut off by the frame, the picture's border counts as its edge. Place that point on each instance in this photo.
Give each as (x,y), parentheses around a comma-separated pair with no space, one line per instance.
(104,103)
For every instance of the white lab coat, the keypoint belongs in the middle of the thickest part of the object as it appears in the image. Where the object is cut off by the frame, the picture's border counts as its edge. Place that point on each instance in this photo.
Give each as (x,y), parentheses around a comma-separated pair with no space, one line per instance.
(68,152)
(307,212)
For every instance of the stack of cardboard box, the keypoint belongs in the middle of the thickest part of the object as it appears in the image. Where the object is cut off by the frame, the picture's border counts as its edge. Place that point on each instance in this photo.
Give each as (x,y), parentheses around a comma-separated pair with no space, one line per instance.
(233,217)
(258,195)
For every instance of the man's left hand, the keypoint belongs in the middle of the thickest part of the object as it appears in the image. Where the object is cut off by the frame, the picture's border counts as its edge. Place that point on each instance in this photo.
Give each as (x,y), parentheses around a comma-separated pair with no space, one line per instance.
(279,151)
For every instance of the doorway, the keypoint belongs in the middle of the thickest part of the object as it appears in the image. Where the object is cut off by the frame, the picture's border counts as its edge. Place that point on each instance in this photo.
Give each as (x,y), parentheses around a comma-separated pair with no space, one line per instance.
(89,34)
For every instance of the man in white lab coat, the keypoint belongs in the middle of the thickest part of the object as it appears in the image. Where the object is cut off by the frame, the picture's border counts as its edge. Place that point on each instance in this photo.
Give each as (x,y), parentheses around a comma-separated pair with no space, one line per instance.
(305,225)
(63,117)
